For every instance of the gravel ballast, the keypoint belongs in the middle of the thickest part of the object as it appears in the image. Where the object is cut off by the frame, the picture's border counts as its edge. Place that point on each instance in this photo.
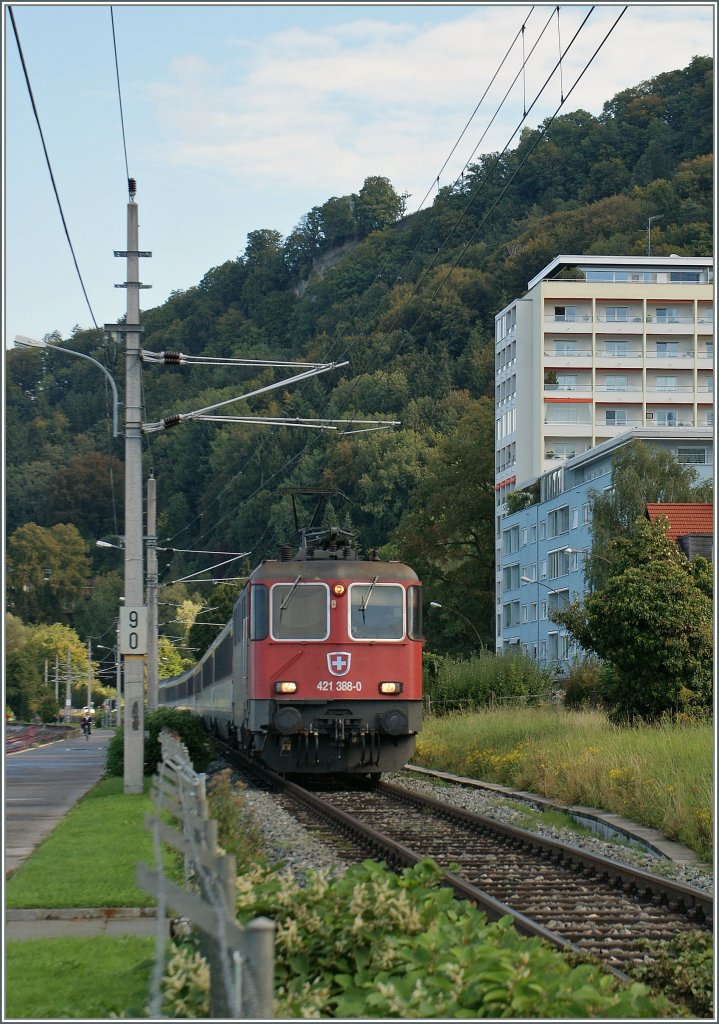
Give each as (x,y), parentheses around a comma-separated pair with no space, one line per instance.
(287,841)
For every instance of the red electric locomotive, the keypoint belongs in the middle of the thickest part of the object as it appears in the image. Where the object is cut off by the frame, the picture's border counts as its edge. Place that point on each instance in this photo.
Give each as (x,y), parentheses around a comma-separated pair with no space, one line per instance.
(320,670)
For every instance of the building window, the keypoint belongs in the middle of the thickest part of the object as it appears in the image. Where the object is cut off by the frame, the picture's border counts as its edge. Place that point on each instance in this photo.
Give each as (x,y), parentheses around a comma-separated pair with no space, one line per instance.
(667,349)
(586,513)
(533,613)
(565,313)
(558,521)
(667,383)
(565,347)
(543,610)
(567,381)
(615,348)
(558,563)
(667,314)
(543,529)
(615,417)
(617,314)
(692,456)
(510,577)
(510,540)
(665,418)
(525,614)
(615,382)
(710,383)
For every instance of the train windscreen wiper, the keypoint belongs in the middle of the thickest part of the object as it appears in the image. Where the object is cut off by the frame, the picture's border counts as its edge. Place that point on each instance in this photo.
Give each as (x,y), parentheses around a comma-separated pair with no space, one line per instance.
(289,596)
(365,599)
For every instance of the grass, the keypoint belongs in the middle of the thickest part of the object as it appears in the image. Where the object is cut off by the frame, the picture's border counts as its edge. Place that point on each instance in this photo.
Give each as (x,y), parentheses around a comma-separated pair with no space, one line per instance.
(80,979)
(659,776)
(89,858)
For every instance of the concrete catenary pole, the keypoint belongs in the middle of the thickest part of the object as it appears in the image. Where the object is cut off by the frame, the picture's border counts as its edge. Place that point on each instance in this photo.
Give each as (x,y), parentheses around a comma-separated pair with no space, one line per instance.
(152,639)
(89,675)
(134,722)
(68,685)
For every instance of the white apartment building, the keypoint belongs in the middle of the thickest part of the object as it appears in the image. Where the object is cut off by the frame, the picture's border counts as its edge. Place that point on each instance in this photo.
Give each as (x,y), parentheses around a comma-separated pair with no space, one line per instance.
(597,346)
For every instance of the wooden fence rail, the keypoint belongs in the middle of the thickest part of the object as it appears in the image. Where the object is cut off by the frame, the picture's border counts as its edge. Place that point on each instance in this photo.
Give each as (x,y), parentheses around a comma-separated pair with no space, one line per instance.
(241,960)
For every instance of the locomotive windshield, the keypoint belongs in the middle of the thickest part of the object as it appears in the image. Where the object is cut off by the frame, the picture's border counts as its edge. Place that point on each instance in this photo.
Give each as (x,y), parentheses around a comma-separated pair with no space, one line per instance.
(300,611)
(376,611)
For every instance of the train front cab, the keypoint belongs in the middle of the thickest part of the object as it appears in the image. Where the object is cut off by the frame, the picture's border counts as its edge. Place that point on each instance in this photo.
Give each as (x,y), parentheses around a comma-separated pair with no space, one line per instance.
(335,668)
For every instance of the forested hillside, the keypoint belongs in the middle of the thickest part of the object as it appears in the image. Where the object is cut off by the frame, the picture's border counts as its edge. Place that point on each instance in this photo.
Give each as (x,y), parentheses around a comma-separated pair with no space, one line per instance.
(409,301)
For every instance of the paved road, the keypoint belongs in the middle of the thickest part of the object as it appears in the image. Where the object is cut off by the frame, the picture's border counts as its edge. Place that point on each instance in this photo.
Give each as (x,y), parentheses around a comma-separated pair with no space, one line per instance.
(42,784)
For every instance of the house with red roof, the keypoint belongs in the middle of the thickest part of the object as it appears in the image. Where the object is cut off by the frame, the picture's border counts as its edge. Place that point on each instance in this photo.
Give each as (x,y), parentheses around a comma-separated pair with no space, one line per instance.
(690,525)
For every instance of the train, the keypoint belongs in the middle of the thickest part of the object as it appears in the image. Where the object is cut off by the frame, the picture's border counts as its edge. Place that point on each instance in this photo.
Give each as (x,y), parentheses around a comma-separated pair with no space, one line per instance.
(320,668)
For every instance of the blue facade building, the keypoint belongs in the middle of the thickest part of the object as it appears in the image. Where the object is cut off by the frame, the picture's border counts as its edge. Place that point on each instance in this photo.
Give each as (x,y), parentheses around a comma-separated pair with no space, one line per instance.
(542,548)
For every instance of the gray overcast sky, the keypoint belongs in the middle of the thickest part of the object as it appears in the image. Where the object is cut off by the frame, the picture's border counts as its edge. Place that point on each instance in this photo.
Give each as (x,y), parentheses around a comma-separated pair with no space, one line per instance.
(239,117)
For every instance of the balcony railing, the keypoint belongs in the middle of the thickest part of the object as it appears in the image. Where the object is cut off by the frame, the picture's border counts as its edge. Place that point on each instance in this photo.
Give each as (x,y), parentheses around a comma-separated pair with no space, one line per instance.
(630,318)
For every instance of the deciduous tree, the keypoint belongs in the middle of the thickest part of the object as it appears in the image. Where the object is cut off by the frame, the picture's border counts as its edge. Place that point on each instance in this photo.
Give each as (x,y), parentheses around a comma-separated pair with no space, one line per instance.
(652,626)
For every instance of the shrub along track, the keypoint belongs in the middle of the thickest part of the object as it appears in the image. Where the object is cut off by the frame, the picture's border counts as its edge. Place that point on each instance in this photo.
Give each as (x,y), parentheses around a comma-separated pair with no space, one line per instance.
(580,902)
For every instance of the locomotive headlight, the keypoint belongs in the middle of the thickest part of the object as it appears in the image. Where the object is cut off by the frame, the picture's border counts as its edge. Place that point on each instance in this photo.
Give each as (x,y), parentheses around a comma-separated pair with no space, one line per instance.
(390,687)
(285,686)
(338,589)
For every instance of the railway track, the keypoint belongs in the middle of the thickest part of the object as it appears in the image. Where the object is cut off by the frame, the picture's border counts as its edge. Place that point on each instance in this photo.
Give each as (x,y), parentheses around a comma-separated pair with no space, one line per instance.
(578,901)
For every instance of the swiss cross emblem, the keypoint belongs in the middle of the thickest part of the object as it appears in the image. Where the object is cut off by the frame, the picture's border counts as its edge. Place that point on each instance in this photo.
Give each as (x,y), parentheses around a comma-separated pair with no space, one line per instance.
(339,663)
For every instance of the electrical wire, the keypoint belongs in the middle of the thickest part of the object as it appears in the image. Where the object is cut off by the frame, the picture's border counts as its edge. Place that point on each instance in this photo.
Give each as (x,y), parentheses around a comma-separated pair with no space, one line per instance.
(49,165)
(119,94)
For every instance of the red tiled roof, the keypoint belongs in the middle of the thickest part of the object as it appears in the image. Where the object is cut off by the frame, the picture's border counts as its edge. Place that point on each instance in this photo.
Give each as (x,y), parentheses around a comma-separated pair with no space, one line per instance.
(684,518)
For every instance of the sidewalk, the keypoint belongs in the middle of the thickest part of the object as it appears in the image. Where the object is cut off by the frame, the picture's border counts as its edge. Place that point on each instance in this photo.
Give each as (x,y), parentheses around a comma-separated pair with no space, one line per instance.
(41,785)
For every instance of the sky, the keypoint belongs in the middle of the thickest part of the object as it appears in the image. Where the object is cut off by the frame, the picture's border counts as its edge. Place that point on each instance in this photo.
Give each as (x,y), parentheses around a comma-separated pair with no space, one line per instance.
(238,117)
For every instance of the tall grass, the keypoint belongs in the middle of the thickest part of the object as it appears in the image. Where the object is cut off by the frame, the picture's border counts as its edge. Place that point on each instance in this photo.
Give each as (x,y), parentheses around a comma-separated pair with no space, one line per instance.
(451,685)
(658,775)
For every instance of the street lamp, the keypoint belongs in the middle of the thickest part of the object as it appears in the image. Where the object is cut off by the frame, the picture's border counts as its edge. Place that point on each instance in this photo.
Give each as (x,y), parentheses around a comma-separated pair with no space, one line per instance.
(551,590)
(436,604)
(22,342)
(657,216)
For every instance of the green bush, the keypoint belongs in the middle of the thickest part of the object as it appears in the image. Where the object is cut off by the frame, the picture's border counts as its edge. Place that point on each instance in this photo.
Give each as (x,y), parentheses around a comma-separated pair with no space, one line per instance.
(583,684)
(373,944)
(459,685)
(188,727)
(684,965)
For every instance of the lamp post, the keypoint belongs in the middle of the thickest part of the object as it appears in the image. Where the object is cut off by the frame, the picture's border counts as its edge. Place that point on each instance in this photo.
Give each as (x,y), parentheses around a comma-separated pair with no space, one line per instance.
(657,216)
(22,342)
(436,604)
(551,590)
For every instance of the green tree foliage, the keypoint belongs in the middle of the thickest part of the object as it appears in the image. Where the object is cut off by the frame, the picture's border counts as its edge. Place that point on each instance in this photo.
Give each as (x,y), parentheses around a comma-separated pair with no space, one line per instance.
(224,596)
(377,204)
(29,649)
(651,625)
(47,571)
(83,492)
(447,532)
